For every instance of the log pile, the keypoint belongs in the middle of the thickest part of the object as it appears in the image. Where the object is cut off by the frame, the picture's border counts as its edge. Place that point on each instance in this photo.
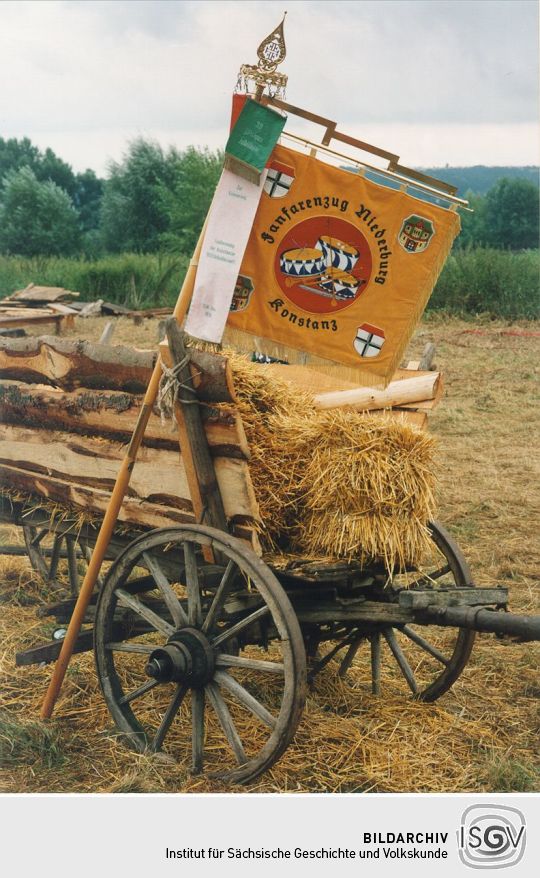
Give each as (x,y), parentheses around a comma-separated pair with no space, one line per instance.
(68,408)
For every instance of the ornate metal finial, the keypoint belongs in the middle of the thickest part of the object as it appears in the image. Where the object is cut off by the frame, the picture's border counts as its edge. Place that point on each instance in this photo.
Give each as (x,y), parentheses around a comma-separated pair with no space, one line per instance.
(271,53)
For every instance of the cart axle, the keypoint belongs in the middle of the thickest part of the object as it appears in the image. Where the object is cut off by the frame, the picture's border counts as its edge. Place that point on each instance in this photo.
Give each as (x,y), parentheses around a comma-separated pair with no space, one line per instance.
(186,658)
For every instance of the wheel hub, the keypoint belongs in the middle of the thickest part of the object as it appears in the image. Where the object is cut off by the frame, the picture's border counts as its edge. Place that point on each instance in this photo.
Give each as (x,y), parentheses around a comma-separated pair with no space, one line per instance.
(186,658)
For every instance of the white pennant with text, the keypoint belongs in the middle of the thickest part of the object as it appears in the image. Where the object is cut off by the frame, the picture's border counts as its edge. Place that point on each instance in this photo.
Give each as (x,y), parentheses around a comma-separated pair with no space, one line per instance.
(229,226)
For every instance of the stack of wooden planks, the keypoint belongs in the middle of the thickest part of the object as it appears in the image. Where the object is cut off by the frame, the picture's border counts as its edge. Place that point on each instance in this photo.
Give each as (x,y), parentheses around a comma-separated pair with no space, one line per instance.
(37,306)
(68,408)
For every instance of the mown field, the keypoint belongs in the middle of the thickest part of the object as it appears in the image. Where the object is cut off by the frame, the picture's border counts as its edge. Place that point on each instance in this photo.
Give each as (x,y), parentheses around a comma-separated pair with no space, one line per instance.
(482,736)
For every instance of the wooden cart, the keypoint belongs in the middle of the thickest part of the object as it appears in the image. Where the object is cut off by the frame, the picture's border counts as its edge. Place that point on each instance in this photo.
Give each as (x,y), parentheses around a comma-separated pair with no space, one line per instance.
(204,650)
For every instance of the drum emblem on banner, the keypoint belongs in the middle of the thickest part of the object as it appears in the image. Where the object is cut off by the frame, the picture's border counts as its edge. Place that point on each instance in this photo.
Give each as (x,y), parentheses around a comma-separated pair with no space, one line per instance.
(415,234)
(323,264)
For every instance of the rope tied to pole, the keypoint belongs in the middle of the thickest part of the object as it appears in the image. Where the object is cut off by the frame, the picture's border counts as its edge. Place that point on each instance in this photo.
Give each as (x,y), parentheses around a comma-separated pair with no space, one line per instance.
(169,389)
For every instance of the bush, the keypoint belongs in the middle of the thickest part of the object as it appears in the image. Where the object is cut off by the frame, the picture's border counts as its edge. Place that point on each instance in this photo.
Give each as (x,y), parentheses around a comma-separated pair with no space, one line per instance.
(499,283)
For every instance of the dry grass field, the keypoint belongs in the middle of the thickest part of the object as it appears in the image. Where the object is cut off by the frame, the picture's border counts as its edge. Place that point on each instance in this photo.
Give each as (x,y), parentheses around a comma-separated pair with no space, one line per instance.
(481,736)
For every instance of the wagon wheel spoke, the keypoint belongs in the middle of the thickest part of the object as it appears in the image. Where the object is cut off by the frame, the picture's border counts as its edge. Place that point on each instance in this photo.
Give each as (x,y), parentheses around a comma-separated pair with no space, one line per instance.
(220,597)
(375,643)
(141,690)
(175,608)
(55,557)
(239,626)
(235,661)
(126,599)
(226,722)
(318,666)
(197,730)
(400,658)
(73,571)
(424,644)
(123,646)
(350,656)
(192,583)
(39,536)
(246,698)
(168,717)
(87,554)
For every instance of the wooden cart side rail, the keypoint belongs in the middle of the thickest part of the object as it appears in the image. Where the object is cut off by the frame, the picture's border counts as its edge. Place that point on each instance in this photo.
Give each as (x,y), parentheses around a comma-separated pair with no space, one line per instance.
(81,462)
(113,414)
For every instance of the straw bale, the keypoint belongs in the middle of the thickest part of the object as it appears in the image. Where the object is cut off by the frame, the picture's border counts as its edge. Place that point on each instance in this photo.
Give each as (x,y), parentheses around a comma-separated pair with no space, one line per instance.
(335,483)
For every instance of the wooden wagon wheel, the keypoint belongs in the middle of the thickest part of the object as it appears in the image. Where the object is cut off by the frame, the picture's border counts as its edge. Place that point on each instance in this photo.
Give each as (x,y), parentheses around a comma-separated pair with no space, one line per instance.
(426,660)
(46,549)
(220,642)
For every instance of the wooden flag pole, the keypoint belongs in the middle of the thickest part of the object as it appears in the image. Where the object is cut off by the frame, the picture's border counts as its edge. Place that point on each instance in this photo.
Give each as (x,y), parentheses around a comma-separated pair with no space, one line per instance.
(115,502)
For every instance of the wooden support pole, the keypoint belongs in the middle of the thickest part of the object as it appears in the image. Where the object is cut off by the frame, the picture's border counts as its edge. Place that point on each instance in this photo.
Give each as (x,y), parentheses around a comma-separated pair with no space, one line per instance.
(115,503)
(198,464)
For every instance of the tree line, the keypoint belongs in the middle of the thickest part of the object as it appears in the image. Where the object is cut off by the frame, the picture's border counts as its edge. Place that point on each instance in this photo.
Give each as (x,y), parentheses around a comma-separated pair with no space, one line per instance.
(151,201)
(155,200)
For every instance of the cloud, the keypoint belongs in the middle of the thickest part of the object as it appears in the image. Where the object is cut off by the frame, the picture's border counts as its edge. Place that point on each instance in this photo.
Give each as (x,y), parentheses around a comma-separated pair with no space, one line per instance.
(99,72)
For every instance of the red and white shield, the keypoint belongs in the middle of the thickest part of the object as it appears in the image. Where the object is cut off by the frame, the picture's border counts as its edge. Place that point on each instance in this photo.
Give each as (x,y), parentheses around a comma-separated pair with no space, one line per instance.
(369,340)
(279,179)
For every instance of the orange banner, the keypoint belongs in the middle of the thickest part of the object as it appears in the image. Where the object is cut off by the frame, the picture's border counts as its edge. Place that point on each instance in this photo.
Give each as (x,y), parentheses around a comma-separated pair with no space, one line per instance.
(338,266)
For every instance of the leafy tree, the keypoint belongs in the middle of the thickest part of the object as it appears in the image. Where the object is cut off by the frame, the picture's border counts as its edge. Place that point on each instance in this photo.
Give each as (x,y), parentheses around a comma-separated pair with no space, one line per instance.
(16,154)
(511,215)
(87,199)
(133,217)
(36,217)
(186,203)
(472,223)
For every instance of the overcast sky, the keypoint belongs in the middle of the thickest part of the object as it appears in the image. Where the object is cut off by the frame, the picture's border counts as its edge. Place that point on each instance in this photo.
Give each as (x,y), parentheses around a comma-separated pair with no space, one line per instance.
(436,81)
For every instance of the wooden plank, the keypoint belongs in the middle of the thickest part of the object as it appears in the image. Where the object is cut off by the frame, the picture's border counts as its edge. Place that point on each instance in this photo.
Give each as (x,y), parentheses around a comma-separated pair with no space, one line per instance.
(49,651)
(37,293)
(113,414)
(30,319)
(419,600)
(93,501)
(368,611)
(159,476)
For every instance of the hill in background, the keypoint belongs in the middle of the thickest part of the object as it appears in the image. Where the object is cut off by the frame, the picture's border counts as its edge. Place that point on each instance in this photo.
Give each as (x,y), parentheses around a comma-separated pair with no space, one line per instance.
(480,178)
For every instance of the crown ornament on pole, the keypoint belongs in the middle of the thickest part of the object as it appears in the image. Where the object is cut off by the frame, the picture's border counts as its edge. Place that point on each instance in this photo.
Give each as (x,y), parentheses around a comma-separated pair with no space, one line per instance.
(265,76)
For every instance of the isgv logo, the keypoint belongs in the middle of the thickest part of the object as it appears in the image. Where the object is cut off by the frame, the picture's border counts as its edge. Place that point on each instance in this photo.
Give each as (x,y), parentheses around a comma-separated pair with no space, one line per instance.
(491,836)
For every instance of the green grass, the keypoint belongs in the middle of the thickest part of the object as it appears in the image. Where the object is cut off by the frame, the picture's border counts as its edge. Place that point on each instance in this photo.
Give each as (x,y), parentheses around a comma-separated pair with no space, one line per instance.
(497,283)
(131,279)
(512,776)
(494,283)
(25,742)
